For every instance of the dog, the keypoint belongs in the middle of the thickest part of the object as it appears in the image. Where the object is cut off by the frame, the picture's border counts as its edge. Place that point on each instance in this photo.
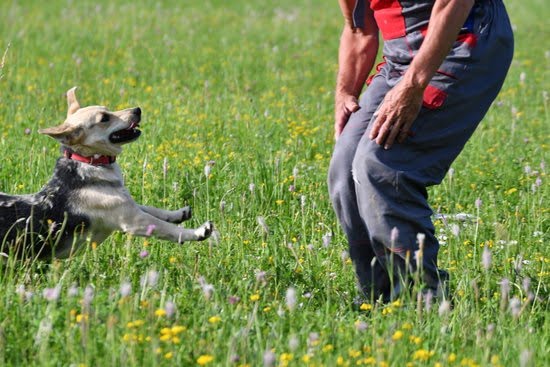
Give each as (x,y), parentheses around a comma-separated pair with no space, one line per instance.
(86,200)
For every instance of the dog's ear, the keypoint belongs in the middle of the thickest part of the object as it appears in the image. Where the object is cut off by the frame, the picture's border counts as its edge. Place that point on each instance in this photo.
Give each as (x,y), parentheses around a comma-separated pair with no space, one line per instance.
(72,102)
(64,133)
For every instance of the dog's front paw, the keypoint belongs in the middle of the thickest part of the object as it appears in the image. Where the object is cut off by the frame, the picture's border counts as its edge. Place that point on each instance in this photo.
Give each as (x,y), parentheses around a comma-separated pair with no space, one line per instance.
(204,231)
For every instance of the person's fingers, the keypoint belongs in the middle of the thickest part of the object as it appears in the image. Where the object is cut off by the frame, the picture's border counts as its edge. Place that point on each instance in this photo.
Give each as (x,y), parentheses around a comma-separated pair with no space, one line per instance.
(379,118)
(352,105)
(393,132)
(384,131)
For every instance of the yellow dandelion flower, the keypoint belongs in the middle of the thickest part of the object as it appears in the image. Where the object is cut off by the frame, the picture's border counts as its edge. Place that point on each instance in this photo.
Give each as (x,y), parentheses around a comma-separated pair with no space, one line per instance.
(306,358)
(328,348)
(81,318)
(267,309)
(422,355)
(205,359)
(169,355)
(255,297)
(214,319)
(286,357)
(177,329)
(340,361)
(165,330)
(172,260)
(407,326)
(397,335)
(176,340)
(369,361)
(279,202)
(365,307)
(451,358)
(160,312)
(165,337)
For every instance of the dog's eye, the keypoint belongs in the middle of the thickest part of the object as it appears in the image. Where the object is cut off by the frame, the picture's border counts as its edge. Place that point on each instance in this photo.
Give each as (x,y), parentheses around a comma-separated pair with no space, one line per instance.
(104,117)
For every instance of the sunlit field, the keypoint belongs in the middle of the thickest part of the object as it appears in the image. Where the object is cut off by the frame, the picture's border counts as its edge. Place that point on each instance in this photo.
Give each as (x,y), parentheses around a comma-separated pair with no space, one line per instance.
(237,101)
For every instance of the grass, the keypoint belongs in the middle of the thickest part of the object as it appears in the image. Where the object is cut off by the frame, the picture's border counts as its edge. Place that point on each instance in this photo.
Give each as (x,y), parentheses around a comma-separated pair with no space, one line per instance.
(247,88)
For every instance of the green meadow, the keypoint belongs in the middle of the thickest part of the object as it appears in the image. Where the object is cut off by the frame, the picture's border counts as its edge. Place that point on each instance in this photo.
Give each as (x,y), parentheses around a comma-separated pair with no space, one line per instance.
(237,101)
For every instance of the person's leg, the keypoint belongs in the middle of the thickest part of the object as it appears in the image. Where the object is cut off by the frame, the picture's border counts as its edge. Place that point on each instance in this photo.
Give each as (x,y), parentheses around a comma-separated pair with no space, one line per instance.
(391,184)
(371,276)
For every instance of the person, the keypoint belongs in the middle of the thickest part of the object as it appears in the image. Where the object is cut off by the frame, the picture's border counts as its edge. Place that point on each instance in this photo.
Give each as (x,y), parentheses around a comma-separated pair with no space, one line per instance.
(444,64)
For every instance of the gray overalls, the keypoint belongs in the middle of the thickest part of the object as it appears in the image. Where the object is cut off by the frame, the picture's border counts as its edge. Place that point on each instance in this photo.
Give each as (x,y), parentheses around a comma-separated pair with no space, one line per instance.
(380,196)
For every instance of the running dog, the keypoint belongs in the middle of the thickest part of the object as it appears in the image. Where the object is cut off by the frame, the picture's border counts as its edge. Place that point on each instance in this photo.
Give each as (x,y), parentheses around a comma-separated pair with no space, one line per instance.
(86,200)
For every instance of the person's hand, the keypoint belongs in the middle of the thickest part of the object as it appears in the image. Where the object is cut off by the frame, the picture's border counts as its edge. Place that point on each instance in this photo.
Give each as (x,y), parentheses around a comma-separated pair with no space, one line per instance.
(396,114)
(345,105)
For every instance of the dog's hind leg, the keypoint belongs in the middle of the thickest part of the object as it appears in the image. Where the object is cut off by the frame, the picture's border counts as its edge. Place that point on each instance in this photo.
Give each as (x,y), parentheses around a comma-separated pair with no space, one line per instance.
(172,216)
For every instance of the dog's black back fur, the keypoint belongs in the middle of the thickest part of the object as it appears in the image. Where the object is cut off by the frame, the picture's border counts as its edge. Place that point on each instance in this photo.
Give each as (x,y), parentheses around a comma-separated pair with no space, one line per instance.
(34,222)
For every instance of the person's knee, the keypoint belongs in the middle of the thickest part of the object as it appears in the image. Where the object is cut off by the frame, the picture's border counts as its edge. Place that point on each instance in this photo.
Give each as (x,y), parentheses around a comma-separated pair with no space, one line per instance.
(371,176)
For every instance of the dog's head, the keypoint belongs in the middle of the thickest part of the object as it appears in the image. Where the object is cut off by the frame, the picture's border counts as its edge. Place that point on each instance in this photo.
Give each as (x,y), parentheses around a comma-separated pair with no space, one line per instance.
(94,129)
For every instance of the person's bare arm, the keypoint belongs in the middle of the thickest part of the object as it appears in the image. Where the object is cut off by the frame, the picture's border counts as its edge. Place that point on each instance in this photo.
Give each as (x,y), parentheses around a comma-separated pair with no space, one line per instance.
(402,104)
(356,56)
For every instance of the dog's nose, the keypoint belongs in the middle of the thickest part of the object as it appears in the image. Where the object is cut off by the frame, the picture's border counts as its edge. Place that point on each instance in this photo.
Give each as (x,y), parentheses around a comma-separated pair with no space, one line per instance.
(136,111)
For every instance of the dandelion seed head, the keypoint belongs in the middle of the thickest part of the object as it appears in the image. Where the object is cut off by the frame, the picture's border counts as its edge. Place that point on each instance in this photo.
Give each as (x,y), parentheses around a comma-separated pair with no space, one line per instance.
(313,339)
(361,325)
(125,289)
(428,300)
(526,284)
(327,239)
(522,77)
(455,229)
(293,343)
(20,290)
(444,308)
(251,188)
(478,203)
(170,309)
(261,221)
(269,358)
(486,258)
(525,358)
(72,291)
(51,294)
(290,298)
(88,296)
(504,287)
(515,307)
(261,276)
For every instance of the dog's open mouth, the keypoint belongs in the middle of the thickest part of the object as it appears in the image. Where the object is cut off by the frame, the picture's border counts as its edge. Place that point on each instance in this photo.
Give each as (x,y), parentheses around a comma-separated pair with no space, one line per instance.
(126,135)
